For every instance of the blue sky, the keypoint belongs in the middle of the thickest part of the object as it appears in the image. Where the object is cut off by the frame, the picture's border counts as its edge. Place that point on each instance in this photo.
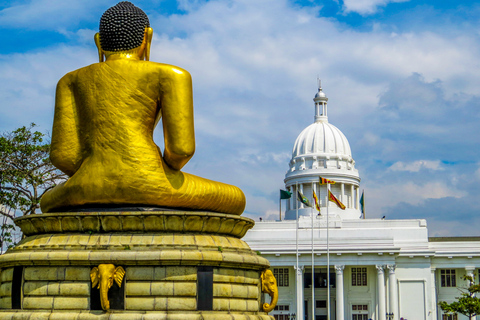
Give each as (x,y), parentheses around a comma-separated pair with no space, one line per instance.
(401,77)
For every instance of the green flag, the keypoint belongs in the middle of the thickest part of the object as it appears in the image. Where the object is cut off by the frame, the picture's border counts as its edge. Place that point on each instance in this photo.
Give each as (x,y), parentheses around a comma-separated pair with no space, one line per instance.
(285,194)
(303,199)
(362,203)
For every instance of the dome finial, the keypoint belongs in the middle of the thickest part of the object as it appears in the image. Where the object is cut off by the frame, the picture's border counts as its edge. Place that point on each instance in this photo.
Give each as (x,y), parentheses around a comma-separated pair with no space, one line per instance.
(320,103)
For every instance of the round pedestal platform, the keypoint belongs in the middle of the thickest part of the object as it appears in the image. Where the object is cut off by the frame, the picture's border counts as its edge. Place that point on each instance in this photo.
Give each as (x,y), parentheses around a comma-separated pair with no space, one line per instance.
(178,265)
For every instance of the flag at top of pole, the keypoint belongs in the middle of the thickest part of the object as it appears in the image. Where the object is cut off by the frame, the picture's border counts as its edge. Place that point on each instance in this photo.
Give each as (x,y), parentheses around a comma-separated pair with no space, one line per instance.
(325,181)
(285,194)
(316,201)
(362,202)
(303,199)
(332,198)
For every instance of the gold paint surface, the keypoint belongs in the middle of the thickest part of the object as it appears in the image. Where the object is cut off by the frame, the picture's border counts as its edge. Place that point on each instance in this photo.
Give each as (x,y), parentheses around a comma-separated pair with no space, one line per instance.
(103,277)
(102,137)
(269,286)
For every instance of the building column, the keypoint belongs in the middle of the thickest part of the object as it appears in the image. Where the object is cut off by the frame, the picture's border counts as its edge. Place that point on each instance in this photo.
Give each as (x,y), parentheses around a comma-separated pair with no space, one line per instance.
(342,188)
(352,196)
(392,286)
(339,291)
(381,293)
(433,293)
(357,200)
(299,291)
(470,272)
(293,197)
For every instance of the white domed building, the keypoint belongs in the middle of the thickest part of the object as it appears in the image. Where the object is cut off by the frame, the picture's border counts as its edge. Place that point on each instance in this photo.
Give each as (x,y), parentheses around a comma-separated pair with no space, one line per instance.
(363,268)
(322,150)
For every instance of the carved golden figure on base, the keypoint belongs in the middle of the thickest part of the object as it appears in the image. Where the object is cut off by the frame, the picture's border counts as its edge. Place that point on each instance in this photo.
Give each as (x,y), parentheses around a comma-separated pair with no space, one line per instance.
(102,134)
(103,277)
(269,286)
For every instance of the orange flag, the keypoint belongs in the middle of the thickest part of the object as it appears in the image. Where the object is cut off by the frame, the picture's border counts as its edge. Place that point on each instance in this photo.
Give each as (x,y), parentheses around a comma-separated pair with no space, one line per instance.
(332,198)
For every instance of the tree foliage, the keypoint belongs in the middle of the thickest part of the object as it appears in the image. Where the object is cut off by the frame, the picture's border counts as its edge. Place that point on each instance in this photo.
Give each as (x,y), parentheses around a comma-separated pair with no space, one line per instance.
(26,171)
(468,303)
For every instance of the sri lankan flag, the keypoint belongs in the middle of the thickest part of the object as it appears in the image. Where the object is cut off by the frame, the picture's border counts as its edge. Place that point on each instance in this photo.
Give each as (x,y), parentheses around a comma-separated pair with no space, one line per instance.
(332,198)
(316,201)
(303,199)
(325,181)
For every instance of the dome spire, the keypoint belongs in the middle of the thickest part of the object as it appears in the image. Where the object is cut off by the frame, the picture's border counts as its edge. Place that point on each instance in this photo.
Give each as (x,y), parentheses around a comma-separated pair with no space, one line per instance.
(320,104)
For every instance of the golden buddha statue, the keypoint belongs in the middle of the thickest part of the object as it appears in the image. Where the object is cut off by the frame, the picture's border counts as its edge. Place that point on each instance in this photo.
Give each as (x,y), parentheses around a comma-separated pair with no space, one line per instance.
(102,134)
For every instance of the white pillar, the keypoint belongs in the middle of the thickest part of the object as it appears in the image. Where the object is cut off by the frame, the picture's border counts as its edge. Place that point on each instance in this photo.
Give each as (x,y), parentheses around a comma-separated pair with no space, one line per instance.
(342,187)
(293,197)
(339,291)
(352,196)
(433,293)
(381,293)
(392,282)
(299,284)
(470,271)
(357,200)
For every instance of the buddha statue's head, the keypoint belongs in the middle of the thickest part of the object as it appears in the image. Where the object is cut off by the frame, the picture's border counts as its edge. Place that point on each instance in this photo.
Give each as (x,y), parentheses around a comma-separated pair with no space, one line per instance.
(124,31)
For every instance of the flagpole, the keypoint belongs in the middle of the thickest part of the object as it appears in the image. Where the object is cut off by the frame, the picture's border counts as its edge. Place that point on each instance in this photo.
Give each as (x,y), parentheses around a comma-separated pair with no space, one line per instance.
(313,265)
(296,249)
(328,254)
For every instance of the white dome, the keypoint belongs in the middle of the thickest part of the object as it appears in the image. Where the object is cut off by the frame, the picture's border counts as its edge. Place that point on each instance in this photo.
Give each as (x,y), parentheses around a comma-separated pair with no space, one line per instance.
(322,138)
(322,150)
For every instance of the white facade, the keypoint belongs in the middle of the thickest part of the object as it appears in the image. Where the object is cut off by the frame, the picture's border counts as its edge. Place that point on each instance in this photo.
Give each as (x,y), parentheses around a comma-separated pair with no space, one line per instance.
(379,269)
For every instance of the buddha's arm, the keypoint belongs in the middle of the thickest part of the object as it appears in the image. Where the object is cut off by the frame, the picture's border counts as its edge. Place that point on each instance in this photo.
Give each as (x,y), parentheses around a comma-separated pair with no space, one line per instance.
(177,115)
(65,148)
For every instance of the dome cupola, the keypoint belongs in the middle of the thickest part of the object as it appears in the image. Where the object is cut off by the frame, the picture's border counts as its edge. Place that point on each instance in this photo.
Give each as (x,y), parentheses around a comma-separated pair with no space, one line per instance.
(322,150)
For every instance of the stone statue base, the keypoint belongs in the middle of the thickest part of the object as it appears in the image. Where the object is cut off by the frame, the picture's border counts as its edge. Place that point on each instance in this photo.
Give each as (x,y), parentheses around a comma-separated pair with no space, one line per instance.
(178,265)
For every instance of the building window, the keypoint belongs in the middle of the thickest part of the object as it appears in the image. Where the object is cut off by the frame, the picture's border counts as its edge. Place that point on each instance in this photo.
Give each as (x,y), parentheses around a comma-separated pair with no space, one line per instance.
(450,317)
(280,307)
(321,303)
(359,277)
(320,279)
(282,316)
(281,274)
(447,278)
(359,312)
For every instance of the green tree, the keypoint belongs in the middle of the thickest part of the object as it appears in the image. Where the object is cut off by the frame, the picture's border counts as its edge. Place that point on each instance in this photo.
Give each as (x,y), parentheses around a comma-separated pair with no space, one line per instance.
(468,303)
(26,171)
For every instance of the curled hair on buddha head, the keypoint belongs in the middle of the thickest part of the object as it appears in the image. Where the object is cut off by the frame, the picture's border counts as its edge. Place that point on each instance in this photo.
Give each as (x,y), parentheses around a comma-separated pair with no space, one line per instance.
(122,27)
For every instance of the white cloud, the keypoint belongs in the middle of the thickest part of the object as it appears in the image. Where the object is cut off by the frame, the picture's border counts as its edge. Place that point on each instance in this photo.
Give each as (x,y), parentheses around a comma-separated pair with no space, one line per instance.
(254,71)
(385,195)
(365,7)
(416,166)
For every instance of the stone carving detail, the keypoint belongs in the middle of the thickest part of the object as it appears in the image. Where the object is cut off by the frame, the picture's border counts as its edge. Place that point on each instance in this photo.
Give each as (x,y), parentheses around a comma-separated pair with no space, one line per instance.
(103,276)
(269,285)
(300,270)
(380,268)
(339,269)
(391,268)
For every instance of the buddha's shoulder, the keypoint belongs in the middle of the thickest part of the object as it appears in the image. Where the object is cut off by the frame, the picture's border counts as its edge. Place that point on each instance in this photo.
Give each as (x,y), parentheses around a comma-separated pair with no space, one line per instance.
(163,67)
(130,66)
